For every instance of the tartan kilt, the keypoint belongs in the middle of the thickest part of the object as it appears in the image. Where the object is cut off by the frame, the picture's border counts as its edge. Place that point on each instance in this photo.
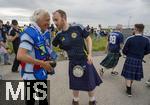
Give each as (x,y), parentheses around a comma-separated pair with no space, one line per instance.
(111,60)
(133,69)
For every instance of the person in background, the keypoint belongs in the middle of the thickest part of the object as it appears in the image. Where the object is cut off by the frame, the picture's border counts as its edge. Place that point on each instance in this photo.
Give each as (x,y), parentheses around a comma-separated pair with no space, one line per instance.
(7,26)
(135,48)
(3,50)
(148,81)
(114,45)
(14,37)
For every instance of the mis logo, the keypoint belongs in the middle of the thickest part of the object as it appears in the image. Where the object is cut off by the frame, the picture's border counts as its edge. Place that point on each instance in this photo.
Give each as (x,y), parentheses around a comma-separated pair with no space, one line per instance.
(13,92)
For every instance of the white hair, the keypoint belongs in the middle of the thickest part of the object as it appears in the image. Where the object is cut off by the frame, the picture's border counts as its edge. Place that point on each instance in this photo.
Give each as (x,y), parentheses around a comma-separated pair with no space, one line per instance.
(37,14)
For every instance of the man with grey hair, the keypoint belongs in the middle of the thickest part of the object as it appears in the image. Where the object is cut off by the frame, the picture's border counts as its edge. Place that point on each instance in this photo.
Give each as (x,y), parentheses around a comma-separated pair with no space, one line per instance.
(33,52)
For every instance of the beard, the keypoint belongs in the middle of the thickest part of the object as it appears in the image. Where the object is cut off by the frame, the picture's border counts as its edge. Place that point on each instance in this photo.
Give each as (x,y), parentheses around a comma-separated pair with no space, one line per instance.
(60,27)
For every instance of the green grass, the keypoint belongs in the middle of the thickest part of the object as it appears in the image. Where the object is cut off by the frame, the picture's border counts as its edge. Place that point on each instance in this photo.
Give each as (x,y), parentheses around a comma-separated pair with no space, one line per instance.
(99,44)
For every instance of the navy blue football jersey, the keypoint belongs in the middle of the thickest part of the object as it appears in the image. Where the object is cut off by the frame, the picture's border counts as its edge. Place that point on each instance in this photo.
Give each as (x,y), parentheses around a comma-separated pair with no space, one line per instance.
(72,41)
(114,41)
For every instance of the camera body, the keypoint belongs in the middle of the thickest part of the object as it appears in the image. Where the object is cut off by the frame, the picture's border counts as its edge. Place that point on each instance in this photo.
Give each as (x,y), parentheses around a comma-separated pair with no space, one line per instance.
(53,64)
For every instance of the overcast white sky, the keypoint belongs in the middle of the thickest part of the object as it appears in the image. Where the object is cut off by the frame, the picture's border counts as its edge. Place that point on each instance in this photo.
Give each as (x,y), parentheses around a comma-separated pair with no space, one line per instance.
(93,12)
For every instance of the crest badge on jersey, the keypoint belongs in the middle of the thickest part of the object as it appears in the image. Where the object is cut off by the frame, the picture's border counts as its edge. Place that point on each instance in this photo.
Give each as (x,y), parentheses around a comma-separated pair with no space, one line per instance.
(62,39)
(74,35)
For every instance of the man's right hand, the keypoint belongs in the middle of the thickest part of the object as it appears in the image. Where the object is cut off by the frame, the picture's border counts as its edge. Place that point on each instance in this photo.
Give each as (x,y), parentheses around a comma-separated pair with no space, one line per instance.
(46,65)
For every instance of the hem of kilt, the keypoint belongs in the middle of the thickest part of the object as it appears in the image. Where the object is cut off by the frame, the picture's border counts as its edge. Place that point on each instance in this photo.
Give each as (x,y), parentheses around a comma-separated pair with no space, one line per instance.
(108,67)
(88,88)
(91,89)
(131,78)
(85,88)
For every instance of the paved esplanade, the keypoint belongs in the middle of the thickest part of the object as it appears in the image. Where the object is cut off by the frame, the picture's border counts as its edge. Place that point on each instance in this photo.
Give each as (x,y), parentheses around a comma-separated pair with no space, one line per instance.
(111,92)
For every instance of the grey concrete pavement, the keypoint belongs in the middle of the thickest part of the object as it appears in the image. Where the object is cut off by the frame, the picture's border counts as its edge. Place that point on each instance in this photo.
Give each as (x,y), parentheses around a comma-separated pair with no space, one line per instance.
(111,92)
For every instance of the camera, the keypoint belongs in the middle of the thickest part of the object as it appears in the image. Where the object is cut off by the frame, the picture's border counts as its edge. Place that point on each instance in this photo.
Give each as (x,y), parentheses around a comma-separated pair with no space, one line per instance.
(53,64)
